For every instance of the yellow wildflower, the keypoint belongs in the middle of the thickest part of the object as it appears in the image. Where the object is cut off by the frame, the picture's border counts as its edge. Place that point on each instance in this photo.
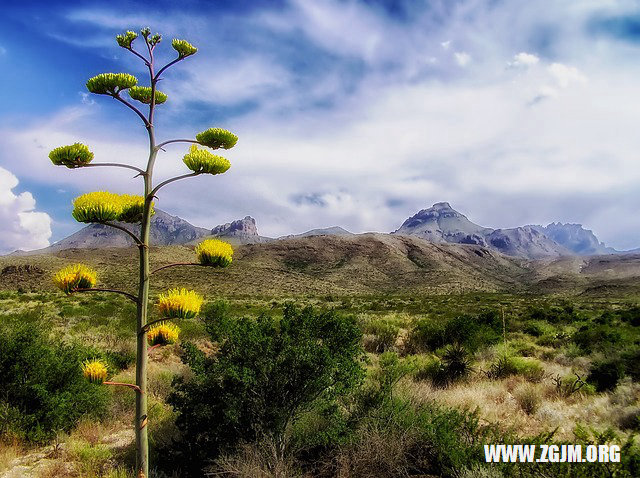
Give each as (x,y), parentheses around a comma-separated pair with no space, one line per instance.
(74,277)
(180,304)
(213,252)
(94,370)
(163,334)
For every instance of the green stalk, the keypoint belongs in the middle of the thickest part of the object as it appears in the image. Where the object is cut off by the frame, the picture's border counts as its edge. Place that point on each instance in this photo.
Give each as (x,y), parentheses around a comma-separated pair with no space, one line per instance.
(142,435)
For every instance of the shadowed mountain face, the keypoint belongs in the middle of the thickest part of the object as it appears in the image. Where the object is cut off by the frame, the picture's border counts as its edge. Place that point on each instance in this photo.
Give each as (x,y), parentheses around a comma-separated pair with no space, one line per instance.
(575,238)
(165,230)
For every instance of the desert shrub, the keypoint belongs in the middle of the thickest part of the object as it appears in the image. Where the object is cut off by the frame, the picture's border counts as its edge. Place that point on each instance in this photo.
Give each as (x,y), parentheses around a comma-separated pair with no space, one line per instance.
(631,362)
(456,364)
(605,374)
(507,365)
(537,328)
(43,390)
(399,437)
(427,334)
(528,399)
(426,367)
(601,338)
(554,314)
(384,333)
(265,374)
(472,332)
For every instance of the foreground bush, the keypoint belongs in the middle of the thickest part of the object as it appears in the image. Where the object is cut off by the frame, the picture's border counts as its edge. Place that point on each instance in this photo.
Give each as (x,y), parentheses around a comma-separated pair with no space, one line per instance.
(265,374)
(43,390)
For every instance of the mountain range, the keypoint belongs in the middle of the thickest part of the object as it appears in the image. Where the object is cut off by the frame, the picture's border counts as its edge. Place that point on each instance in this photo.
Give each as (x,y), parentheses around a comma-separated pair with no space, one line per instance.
(438,224)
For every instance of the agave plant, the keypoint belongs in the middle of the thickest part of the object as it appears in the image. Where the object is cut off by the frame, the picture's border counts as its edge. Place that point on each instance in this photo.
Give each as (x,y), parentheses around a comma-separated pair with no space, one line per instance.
(116,210)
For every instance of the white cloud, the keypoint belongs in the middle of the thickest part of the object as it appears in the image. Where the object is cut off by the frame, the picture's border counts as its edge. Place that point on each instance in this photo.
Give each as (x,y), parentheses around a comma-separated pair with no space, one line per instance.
(523,60)
(462,58)
(446,44)
(566,75)
(22,227)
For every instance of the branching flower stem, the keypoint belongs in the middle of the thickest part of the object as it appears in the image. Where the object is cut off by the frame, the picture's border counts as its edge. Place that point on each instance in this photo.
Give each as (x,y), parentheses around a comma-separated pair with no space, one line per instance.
(116,291)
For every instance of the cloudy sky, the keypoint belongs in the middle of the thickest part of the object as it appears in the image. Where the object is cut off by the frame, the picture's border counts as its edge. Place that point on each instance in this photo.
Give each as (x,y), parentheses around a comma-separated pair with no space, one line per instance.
(350,113)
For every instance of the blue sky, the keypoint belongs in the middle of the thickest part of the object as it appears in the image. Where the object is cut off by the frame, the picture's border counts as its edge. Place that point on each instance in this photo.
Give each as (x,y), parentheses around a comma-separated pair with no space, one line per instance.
(349,113)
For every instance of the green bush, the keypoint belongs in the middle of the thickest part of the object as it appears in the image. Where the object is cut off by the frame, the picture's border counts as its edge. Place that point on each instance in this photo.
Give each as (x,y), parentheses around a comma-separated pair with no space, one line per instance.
(266,373)
(43,390)
(506,365)
(385,333)
(601,338)
(605,374)
(473,332)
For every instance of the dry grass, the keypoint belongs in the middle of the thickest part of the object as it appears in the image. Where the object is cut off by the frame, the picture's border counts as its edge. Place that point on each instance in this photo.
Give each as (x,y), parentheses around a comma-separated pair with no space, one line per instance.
(9,451)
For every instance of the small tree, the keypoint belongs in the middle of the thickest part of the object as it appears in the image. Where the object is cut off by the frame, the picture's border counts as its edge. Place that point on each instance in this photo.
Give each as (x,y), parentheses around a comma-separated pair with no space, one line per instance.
(115,209)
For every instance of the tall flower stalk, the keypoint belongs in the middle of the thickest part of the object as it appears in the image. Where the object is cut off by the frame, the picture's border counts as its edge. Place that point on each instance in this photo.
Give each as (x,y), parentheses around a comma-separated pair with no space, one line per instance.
(112,210)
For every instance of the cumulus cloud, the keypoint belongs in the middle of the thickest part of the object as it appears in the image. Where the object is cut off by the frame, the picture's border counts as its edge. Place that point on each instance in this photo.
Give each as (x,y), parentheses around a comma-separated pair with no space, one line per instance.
(22,226)
(523,60)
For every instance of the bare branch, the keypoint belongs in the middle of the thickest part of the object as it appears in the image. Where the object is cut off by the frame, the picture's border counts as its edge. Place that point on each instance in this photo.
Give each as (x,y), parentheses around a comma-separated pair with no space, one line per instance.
(171,63)
(117,165)
(126,294)
(136,110)
(176,264)
(146,62)
(177,141)
(164,183)
(148,325)
(120,384)
(123,229)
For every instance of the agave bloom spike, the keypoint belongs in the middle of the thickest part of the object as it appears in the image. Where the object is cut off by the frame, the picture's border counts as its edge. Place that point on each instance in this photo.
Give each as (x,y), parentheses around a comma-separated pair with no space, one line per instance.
(216,138)
(103,206)
(111,83)
(94,370)
(143,95)
(213,252)
(74,277)
(202,161)
(125,40)
(180,304)
(73,156)
(163,334)
(183,47)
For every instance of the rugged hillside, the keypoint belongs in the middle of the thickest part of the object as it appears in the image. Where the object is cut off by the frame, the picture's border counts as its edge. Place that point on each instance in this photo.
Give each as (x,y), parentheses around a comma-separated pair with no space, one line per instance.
(165,230)
(442,223)
(574,237)
(365,264)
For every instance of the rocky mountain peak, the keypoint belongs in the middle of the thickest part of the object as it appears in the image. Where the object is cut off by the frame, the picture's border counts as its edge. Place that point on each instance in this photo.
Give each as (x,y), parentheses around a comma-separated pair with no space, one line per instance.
(241,227)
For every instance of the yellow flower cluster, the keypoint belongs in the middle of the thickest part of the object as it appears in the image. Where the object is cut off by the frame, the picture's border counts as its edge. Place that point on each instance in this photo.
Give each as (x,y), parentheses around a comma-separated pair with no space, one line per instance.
(74,277)
(143,95)
(111,83)
(183,47)
(213,252)
(103,206)
(163,334)
(72,156)
(180,304)
(126,39)
(217,138)
(202,161)
(94,370)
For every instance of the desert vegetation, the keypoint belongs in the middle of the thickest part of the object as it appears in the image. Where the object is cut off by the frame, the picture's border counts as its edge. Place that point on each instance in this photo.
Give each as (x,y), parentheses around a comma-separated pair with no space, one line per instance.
(330,386)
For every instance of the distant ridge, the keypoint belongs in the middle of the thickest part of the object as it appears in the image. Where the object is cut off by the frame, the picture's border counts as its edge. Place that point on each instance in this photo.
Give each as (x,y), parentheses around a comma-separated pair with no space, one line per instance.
(326,231)
(442,223)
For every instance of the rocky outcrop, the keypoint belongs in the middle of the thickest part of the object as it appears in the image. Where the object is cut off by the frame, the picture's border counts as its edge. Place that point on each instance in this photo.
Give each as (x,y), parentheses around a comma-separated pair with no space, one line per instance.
(576,238)
(241,227)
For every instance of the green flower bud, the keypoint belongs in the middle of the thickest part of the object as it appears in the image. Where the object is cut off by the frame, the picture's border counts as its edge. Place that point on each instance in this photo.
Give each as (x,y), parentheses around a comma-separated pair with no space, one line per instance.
(111,83)
(202,161)
(217,138)
(145,32)
(126,39)
(143,95)
(183,47)
(72,156)
(155,39)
